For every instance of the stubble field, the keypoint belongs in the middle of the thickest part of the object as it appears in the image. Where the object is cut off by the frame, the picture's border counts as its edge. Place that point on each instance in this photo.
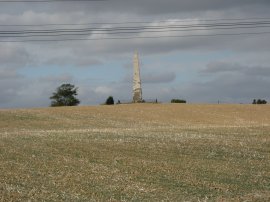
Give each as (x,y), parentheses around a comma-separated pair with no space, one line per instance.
(144,152)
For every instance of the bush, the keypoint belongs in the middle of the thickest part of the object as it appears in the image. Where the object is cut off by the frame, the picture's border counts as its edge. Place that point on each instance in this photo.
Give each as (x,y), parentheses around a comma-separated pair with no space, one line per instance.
(259,101)
(178,101)
(109,101)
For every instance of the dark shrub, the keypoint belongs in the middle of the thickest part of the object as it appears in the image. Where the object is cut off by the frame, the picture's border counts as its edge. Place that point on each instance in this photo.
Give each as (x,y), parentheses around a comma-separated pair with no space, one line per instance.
(178,101)
(109,101)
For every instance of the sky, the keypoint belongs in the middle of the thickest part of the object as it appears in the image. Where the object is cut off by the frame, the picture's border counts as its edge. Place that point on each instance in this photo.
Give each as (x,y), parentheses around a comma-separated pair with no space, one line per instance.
(198,65)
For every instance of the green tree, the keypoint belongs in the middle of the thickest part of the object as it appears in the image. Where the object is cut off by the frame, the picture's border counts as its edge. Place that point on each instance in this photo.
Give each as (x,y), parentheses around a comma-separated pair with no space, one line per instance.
(65,96)
(178,101)
(109,101)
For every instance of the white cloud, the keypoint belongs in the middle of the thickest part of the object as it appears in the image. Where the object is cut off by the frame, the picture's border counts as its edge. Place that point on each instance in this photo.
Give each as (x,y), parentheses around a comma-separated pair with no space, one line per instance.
(103,90)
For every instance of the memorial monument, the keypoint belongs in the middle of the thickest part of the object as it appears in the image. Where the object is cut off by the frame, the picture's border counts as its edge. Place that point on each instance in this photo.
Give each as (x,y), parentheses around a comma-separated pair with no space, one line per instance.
(137,90)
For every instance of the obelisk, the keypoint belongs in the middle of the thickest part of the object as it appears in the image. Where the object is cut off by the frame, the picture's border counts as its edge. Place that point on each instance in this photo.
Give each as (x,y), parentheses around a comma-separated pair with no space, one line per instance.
(137,90)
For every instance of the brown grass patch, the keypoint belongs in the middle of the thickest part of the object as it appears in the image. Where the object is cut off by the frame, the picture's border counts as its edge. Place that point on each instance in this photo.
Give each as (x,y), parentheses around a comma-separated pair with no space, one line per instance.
(144,152)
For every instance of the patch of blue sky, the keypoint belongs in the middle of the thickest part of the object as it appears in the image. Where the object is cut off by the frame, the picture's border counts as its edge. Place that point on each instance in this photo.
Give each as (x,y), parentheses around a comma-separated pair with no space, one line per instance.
(37,72)
(107,72)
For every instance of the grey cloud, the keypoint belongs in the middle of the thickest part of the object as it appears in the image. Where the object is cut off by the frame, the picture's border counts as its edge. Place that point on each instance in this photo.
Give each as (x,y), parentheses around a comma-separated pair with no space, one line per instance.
(174,6)
(226,67)
(11,83)
(8,74)
(76,61)
(165,45)
(164,77)
(86,62)
(129,9)
(14,56)
(66,78)
(221,67)
(259,71)
(123,10)
(155,7)
(147,46)
(228,89)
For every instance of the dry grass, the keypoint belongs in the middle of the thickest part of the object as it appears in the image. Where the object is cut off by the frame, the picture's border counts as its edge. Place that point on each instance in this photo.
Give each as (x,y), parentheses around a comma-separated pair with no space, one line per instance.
(146,152)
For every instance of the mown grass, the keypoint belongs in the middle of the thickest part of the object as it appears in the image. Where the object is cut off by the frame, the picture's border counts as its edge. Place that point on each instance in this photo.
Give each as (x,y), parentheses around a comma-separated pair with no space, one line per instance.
(136,153)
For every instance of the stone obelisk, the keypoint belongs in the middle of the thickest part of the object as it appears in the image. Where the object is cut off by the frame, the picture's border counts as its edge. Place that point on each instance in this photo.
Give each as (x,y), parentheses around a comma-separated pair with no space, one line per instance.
(137,90)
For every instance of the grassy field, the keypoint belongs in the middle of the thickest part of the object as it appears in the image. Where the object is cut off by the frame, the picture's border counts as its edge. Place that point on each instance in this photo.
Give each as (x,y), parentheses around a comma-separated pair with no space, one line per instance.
(144,152)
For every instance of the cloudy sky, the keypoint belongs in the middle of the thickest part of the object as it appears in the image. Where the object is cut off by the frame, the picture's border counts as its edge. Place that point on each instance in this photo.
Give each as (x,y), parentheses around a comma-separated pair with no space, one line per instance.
(199,64)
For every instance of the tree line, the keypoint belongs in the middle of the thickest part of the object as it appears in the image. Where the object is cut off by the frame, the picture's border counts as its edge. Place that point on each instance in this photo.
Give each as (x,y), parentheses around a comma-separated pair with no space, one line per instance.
(259,101)
(65,95)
